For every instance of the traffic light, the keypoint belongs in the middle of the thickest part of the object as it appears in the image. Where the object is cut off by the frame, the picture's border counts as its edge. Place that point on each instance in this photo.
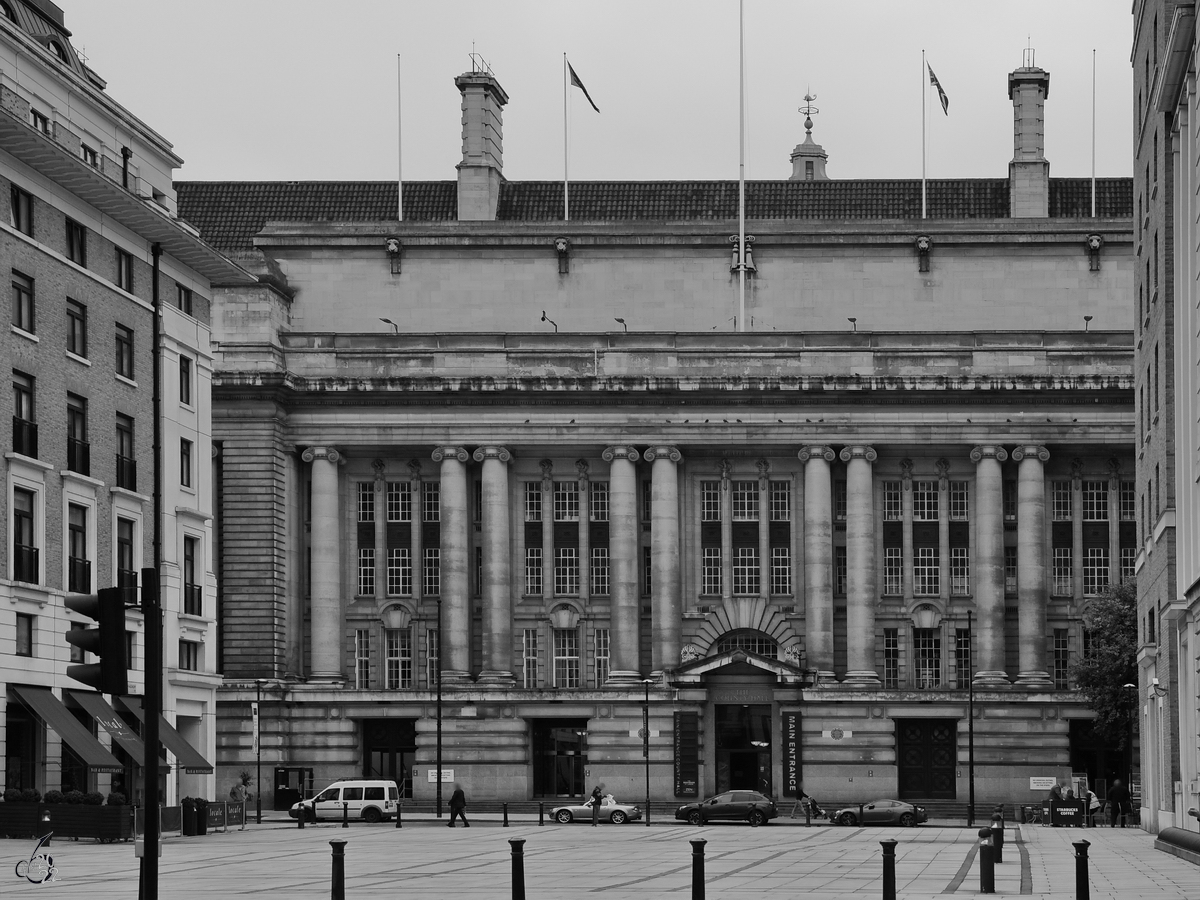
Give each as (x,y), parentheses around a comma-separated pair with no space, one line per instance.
(110,675)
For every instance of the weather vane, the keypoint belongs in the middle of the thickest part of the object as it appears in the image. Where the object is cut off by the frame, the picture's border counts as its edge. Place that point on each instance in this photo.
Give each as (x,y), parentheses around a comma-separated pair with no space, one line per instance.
(808,109)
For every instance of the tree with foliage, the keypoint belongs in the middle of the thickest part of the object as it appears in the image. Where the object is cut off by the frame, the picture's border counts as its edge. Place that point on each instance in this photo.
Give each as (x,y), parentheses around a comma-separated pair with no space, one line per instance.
(1111,663)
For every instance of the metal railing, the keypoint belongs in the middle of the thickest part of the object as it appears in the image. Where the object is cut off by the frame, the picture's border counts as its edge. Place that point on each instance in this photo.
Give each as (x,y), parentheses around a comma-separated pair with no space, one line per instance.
(79,456)
(25,437)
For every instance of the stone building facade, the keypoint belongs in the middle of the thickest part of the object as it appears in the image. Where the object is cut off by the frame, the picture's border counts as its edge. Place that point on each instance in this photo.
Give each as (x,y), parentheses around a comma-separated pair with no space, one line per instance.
(89,239)
(794,543)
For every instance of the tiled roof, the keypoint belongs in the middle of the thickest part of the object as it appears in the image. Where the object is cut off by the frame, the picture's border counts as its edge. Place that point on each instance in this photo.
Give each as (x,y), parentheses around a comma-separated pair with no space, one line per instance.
(229,213)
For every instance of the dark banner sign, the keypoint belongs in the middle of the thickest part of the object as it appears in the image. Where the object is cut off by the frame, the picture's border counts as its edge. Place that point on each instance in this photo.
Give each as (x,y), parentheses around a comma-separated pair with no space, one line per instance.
(687,754)
(791,754)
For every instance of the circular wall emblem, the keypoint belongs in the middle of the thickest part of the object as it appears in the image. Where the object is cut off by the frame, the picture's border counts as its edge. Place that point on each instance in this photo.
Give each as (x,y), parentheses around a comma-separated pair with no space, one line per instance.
(837,734)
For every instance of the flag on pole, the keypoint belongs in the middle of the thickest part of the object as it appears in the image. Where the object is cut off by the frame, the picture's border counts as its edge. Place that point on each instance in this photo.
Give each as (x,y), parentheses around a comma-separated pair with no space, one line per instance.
(579,84)
(933,79)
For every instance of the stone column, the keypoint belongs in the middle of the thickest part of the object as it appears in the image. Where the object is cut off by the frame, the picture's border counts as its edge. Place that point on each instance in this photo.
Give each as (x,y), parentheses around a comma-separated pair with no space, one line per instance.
(1031,565)
(860,566)
(764,530)
(326,588)
(666,604)
(455,633)
(818,559)
(988,635)
(497,567)
(624,626)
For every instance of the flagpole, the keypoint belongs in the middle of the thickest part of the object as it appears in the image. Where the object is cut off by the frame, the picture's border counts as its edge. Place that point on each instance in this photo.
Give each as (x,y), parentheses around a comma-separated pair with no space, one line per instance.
(741,322)
(924,95)
(566,202)
(400,148)
(1093,132)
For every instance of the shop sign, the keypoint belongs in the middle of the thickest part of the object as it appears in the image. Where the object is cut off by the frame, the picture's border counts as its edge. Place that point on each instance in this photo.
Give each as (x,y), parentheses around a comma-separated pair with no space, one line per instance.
(791,754)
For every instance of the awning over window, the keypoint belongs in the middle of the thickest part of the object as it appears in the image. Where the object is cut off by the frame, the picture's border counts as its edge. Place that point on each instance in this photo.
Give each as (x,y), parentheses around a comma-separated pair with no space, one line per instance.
(50,709)
(188,758)
(122,735)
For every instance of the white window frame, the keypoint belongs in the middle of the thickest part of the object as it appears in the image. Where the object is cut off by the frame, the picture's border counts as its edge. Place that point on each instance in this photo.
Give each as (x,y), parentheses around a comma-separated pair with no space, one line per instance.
(781,502)
(603,659)
(398,659)
(431,501)
(710,572)
(745,501)
(431,571)
(745,571)
(1061,572)
(566,571)
(567,659)
(1096,572)
(781,571)
(566,501)
(600,572)
(530,658)
(893,571)
(960,501)
(926,501)
(1095,501)
(366,501)
(533,571)
(399,572)
(362,658)
(927,576)
(1061,501)
(366,572)
(710,501)
(399,501)
(893,502)
(960,571)
(598,501)
(533,501)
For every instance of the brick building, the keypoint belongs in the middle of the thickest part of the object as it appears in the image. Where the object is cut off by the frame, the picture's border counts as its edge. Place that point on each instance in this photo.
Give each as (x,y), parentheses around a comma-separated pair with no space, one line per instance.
(89,239)
(542,458)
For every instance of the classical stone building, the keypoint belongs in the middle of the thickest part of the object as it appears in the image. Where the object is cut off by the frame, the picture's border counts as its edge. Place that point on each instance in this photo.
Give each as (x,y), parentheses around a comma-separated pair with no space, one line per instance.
(548,459)
(90,243)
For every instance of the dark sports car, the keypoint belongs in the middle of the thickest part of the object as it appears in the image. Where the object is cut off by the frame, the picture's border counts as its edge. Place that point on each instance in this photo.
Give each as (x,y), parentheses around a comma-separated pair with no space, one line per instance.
(881,812)
(734,806)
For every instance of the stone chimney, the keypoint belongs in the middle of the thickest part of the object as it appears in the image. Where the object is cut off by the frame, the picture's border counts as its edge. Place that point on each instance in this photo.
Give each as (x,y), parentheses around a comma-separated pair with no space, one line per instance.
(1029,171)
(481,169)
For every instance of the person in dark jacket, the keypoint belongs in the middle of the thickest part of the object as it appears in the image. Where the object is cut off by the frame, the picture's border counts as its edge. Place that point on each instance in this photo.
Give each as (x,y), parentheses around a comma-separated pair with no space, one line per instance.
(597,799)
(458,803)
(1120,803)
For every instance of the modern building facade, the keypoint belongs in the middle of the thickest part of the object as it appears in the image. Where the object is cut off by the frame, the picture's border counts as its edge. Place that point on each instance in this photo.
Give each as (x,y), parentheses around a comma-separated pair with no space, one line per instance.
(91,243)
(556,463)
(1165,58)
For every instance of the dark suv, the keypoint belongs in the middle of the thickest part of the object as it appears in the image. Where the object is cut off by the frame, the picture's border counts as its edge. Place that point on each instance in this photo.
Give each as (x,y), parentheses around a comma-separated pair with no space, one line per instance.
(742,806)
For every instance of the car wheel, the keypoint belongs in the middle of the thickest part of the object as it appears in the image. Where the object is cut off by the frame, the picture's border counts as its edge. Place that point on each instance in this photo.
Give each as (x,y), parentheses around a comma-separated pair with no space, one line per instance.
(372,815)
(618,817)
(563,817)
(908,820)
(310,814)
(694,817)
(757,818)
(847,818)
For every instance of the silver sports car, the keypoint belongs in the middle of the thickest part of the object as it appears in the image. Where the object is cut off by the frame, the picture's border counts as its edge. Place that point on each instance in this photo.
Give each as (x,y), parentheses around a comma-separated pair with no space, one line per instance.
(610,811)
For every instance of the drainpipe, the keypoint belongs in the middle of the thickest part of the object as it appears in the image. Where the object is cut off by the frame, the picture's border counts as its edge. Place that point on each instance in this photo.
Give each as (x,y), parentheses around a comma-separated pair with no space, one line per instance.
(126,153)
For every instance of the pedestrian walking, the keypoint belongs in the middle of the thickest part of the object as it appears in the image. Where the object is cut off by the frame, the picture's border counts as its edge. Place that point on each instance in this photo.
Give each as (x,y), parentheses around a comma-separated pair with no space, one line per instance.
(1120,801)
(597,799)
(458,805)
(1093,805)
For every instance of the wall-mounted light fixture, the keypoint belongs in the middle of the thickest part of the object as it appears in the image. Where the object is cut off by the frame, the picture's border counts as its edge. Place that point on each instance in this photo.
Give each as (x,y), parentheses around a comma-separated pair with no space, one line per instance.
(622,321)
(545,318)
(1087,323)
(924,244)
(733,264)
(395,327)
(562,246)
(1094,244)
(853,323)
(392,246)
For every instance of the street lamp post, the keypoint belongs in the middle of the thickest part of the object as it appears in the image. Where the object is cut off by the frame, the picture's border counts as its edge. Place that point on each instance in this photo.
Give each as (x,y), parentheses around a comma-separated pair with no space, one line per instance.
(258,753)
(439,707)
(970,724)
(646,682)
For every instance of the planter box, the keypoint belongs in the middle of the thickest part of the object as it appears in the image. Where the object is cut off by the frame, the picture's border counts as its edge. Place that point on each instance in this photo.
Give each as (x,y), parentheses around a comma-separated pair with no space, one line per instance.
(102,823)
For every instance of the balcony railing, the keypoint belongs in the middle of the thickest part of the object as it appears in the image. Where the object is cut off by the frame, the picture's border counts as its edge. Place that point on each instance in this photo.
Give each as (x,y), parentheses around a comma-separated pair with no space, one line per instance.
(25,563)
(193,600)
(25,437)
(126,473)
(79,456)
(79,575)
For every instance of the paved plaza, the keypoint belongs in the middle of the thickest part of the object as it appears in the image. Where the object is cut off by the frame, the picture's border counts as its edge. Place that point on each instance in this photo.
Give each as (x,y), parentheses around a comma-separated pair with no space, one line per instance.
(630,862)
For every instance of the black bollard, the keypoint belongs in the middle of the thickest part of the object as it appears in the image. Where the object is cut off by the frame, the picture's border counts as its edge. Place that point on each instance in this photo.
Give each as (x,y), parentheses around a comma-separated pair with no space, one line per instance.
(541,814)
(860,815)
(399,817)
(337,887)
(889,869)
(505,815)
(997,840)
(1083,888)
(301,815)
(518,868)
(345,815)
(987,871)
(807,814)
(698,868)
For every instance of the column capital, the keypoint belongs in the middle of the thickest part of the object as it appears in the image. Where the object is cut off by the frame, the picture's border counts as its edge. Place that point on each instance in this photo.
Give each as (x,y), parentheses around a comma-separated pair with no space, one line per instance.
(492,451)
(664,451)
(988,451)
(621,451)
(326,453)
(1031,450)
(821,450)
(459,453)
(859,451)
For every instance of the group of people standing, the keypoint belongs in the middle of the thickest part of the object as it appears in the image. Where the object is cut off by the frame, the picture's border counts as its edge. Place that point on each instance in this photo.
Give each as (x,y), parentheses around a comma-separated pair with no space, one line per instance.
(1120,802)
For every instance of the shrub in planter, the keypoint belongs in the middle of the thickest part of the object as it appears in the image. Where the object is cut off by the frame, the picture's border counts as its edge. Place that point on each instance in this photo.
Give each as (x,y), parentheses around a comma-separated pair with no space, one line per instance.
(93,798)
(116,798)
(12,795)
(74,798)
(53,797)
(31,795)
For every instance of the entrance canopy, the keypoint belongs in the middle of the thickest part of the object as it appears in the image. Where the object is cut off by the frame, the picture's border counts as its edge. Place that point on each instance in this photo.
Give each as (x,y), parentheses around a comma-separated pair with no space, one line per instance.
(185,754)
(693,673)
(50,709)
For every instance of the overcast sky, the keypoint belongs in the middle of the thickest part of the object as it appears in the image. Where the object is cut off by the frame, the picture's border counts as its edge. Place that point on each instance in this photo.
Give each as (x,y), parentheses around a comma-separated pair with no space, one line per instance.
(307,90)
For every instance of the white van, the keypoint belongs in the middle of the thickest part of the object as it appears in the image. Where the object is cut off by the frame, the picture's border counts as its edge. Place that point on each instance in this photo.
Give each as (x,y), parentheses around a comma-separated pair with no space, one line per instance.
(368,800)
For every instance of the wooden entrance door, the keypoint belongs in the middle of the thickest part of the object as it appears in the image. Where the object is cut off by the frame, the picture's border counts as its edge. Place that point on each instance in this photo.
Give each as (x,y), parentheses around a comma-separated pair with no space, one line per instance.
(926,757)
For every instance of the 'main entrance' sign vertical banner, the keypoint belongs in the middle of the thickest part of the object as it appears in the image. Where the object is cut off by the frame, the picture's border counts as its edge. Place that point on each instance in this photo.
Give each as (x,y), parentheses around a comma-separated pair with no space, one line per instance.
(791,754)
(687,754)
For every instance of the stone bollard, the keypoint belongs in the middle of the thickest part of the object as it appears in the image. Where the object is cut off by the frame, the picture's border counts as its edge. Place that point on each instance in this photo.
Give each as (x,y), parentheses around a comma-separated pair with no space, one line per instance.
(987,871)
(345,815)
(889,869)
(997,840)
(541,814)
(399,817)
(698,868)
(505,815)
(518,868)
(1083,888)
(337,887)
